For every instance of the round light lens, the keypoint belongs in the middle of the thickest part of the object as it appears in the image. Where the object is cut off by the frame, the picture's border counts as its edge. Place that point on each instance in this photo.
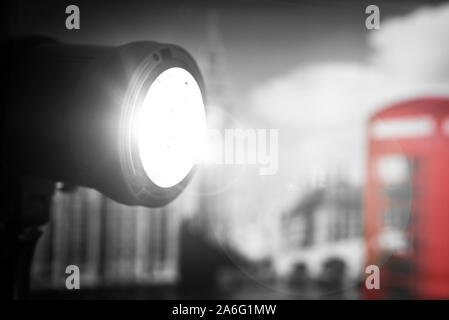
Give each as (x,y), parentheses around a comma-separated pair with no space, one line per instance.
(170,127)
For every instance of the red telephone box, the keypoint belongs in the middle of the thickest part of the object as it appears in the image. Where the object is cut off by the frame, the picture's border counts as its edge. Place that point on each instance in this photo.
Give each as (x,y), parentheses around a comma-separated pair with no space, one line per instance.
(406,199)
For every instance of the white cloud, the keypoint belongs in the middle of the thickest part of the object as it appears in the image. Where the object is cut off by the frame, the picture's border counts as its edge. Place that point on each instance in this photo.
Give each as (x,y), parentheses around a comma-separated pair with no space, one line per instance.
(415,46)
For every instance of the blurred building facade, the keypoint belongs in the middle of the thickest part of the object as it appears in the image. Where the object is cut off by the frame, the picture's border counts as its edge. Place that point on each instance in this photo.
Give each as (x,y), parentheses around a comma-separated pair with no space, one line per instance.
(325,224)
(112,244)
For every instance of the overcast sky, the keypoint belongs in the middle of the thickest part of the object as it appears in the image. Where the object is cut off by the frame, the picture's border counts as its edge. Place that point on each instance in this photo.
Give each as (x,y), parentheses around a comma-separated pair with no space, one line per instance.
(262,39)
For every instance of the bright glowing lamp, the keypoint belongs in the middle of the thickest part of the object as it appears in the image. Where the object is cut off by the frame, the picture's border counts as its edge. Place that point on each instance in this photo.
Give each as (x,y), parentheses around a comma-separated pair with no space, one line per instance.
(171,127)
(128,121)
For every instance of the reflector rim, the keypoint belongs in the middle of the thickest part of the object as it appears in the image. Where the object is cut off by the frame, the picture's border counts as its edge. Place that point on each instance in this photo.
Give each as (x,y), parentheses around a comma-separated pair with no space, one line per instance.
(142,188)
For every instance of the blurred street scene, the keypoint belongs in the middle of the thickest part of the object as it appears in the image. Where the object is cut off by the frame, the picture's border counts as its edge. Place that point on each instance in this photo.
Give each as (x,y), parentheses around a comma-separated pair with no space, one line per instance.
(315,74)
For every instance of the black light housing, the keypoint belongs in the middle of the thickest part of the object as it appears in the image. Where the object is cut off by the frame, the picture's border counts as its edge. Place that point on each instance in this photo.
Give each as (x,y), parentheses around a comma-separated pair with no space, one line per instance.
(71,111)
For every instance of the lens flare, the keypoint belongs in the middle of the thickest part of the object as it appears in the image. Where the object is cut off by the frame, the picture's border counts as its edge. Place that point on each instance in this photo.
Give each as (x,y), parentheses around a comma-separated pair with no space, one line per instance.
(171,127)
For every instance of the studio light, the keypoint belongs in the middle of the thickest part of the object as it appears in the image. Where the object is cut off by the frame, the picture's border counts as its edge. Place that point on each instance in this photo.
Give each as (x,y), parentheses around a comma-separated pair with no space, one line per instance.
(128,121)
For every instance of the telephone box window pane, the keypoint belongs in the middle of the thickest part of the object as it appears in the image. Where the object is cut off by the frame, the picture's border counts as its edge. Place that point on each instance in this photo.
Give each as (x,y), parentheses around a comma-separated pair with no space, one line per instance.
(393,170)
(395,174)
